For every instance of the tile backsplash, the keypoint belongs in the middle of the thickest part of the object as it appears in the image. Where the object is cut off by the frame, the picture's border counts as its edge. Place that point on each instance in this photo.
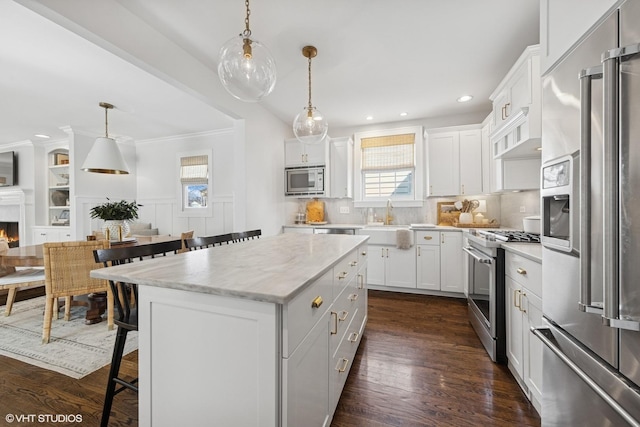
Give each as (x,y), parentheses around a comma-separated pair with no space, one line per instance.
(504,208)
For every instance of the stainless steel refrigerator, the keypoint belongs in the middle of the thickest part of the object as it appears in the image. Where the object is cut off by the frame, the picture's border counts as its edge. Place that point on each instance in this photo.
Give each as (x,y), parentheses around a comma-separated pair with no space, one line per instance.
(590,195)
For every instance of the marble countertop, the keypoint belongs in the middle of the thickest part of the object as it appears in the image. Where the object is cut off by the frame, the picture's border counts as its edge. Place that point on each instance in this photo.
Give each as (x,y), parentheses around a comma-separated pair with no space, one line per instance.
(533,251)
(272,269)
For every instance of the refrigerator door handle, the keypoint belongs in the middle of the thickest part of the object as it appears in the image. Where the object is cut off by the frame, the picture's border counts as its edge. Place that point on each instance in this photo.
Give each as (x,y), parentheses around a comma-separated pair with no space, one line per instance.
(611,295)
(586,77)
(542,333)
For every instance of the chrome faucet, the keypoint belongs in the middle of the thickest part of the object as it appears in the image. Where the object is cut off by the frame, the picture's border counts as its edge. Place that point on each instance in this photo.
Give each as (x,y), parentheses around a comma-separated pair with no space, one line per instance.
(388,218)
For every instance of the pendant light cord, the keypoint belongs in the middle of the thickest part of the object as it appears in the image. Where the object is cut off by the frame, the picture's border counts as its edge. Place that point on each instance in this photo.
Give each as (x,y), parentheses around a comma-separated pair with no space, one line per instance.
(310,107)
(247,32)
(106,122)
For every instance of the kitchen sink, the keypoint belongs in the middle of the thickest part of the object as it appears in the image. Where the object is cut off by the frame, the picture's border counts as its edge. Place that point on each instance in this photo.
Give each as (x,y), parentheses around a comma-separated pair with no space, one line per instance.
(383,234)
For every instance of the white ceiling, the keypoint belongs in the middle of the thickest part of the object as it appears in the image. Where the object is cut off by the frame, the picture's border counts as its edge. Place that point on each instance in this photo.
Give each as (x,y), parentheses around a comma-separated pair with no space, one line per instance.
(375,57)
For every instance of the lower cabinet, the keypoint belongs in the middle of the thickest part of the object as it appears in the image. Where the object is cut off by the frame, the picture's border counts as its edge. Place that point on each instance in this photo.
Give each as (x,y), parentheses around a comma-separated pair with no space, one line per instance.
(524,310)
(51,234)
(440,261)
(390,266)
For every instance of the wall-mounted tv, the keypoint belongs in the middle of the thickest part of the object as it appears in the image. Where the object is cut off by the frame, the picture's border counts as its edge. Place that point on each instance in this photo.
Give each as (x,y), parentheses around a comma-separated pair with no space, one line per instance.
(8,169)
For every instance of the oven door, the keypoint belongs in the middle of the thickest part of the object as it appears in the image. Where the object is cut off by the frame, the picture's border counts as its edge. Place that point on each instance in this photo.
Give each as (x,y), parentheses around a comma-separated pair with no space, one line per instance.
(483,299)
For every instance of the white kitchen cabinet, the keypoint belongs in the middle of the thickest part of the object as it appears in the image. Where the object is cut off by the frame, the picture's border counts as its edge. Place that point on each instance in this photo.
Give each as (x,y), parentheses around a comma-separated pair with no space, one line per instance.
(523,286)
(298,229)
(454,159)
(341,168)
(517,109)
(298,154)
(390,266)
(489,169)
(561,26)
(451,262)
(428,260)
(50,234)
(517,174)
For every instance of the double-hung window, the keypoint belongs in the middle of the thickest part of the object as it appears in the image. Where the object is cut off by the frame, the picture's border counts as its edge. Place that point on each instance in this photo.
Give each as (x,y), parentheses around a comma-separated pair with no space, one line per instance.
(195,185)
(388,166)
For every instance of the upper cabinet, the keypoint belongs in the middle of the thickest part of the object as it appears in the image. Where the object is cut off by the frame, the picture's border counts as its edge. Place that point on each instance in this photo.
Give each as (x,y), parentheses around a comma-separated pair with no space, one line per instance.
(517,109)
(298,154)
(454,165)
(564,24)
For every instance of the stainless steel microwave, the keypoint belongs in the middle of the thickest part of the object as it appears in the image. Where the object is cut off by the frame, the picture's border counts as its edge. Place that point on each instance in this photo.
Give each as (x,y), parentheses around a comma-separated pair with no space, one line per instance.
(304,181)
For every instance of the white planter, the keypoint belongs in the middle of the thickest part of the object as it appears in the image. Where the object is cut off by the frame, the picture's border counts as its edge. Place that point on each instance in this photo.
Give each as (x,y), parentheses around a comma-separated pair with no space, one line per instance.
(114,227)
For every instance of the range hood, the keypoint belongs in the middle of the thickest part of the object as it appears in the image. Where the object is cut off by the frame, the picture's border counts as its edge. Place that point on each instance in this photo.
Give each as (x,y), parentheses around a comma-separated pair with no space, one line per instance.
(518,137)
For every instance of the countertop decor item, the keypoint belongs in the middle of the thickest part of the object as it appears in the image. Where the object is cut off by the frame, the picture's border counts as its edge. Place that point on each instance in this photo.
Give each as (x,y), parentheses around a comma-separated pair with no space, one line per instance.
(315,211)
(105,156)
(310,126)
(448,214)
(246,68)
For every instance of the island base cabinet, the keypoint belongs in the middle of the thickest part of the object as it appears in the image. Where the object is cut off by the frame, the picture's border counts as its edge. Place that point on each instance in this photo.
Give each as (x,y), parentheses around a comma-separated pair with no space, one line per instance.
(306,380)
(229,374)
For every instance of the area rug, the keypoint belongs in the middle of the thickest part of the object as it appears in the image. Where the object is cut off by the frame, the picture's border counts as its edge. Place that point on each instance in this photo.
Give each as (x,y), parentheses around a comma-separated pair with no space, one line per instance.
(75,349)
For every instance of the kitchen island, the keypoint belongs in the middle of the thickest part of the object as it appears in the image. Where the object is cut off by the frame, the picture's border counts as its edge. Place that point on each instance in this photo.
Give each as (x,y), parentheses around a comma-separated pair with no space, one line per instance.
(257,333)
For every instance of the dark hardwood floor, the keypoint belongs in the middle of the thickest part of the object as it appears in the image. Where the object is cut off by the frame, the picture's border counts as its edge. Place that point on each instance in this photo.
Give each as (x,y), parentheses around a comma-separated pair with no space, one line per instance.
(419,364)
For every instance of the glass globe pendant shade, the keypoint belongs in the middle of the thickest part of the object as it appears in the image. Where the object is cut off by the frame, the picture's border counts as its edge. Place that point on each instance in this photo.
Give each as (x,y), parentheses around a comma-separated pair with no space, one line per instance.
(310,126)
(246,69)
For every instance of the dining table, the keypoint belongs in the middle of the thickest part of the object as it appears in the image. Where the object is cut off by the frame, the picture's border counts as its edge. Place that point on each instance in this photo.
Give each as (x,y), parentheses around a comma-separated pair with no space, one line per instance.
(33,256)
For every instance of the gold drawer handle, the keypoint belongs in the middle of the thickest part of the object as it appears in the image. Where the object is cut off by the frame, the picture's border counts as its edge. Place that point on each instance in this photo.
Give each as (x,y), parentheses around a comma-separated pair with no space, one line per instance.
(342,275)
(344,363)
(317,302)
(521,270)
(353,297)
(344,314)
(428,237)
(364,253)
(353,263)
(353,337)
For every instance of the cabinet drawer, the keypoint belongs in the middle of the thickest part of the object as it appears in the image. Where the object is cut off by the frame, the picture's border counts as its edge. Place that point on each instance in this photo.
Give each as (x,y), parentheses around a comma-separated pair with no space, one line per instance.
(524,271)
(345,271)
(300,314)
(428,238)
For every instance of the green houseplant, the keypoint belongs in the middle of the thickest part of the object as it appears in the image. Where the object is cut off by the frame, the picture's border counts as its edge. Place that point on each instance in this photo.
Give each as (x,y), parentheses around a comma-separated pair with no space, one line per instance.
(116,215)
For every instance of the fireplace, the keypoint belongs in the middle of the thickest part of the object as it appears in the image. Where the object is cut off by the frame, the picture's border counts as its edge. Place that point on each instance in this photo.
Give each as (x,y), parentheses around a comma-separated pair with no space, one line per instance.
(10,232)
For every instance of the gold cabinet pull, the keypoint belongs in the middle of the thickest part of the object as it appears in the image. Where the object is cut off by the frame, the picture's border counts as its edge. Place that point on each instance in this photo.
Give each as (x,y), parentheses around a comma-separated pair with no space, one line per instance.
(342,275)
(515,298)
(522,294)
(521,270)
(334,317)
(344,362)
(387,253)
(364,253)
(428,237)
(353,297)
(344,315)
(353,263)
(353,337)
(317,302)
(462,188)
(418,250)
(382,249)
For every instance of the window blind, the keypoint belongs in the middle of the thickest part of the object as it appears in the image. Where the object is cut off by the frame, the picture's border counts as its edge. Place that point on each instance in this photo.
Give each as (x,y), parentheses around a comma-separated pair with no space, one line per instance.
(194,169)
(388,152)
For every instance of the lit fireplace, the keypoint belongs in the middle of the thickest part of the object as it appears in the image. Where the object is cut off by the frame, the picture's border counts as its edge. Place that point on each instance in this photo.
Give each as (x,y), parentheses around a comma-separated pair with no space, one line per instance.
(9,232)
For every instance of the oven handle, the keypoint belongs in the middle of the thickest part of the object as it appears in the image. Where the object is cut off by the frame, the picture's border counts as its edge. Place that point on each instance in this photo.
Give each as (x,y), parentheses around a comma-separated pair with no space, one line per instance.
(477,255)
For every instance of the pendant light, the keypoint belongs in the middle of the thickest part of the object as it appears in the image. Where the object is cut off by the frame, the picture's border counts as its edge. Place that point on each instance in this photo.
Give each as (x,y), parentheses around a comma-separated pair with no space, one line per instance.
(310,126)
(105,156)
(246,68)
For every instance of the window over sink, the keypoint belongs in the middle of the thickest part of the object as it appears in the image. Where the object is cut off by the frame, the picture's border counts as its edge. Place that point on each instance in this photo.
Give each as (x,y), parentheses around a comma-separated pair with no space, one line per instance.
(388,166)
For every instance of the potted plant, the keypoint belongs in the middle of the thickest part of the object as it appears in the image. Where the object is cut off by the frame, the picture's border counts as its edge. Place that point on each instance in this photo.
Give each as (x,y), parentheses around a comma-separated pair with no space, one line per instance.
(116,215)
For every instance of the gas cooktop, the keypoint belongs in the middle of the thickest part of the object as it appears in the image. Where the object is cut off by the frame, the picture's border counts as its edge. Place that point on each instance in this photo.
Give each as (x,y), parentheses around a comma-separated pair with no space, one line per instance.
(491,238)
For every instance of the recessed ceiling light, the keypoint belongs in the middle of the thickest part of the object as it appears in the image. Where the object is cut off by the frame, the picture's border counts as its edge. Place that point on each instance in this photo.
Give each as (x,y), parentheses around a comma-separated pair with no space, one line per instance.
(41,135)
(369,117)
(404,113)
(465,98)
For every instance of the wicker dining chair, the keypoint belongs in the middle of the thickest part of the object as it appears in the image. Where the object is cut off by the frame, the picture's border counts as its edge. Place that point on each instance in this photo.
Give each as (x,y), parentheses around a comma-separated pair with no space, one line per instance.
(66,274)
(184,236)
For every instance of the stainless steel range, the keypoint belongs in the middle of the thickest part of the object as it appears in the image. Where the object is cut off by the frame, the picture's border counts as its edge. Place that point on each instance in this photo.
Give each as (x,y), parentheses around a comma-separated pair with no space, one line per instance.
(486,296)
